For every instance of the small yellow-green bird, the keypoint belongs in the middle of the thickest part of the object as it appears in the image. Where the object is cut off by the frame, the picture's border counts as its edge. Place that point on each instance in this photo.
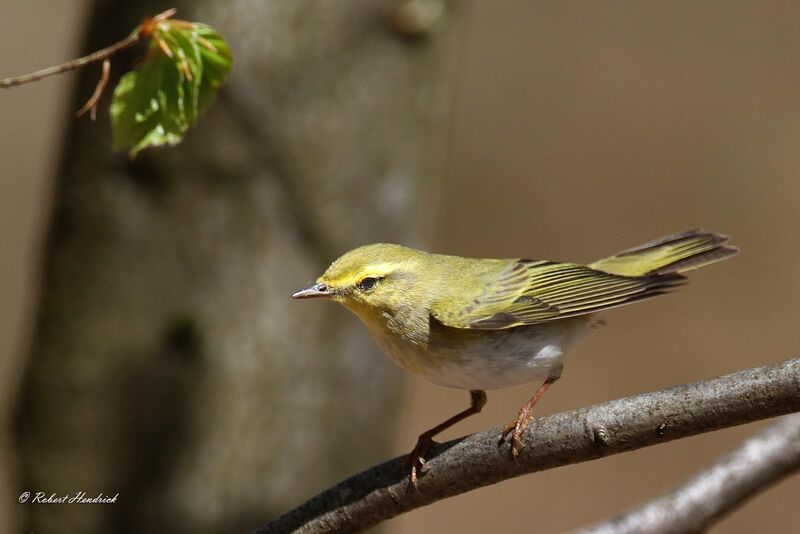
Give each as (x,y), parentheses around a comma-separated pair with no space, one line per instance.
(482,324)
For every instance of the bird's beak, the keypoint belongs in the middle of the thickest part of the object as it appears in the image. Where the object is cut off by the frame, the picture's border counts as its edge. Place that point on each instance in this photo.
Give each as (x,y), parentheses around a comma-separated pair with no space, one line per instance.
(316,291)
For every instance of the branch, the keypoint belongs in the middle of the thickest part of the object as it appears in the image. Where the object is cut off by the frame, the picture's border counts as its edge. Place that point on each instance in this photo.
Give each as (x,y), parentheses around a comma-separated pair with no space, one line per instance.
(74,64)
(143,30)
(464,464)
(758,463)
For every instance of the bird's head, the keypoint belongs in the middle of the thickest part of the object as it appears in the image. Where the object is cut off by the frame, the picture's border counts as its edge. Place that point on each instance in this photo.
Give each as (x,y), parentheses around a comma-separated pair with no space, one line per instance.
(371,279)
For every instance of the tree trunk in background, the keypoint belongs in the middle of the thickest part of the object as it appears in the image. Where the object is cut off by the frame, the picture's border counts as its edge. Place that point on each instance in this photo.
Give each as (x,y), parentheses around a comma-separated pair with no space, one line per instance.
(169,364)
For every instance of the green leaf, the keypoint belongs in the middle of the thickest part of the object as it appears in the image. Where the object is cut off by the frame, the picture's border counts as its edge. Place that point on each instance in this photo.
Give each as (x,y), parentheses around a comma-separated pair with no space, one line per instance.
(216,63)
(156,104)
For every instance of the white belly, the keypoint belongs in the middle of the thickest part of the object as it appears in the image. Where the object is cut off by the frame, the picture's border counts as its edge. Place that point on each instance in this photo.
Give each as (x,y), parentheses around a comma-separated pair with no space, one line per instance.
(490,359)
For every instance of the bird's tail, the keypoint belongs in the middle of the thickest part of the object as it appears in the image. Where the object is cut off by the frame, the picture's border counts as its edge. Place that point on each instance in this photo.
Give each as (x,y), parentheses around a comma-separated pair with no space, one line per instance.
(674,253)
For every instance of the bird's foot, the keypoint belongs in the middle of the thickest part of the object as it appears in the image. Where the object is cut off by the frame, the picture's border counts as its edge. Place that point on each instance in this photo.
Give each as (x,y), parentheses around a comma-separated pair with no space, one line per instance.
(516,428)
(419,463)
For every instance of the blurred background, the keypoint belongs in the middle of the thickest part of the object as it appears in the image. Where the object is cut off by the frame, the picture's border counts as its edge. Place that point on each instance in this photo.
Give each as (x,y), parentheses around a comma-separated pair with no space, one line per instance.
(560,130)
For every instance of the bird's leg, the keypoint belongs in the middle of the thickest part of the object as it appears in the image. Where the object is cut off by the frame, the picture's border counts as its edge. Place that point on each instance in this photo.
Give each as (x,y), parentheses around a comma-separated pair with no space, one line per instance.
(425,440)
(517,426)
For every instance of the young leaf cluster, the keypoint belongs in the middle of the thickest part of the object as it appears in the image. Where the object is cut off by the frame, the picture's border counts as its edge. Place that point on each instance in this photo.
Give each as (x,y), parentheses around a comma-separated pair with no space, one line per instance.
(154,105)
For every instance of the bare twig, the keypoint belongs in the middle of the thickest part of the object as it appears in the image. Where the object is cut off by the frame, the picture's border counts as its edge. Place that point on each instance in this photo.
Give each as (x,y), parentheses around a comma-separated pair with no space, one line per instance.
(145,29)
(91,104)
(94,57)
(760,462)
(464,464)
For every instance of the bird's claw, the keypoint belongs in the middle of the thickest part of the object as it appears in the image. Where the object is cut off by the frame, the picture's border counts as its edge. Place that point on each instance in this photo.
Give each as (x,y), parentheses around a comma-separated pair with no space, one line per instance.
(417,459)
(516,428)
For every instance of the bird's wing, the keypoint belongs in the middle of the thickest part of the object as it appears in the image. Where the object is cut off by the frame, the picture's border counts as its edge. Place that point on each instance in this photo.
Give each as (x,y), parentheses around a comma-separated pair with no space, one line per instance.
(529,292)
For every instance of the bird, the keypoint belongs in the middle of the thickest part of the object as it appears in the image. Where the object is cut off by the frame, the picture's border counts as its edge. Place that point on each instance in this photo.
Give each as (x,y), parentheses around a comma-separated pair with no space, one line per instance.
(483,324)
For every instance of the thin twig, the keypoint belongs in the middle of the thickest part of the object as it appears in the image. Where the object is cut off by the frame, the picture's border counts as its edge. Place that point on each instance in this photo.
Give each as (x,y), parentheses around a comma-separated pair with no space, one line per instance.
(91,104)
(464,464)
(94,57)
(146,29)
(759,462)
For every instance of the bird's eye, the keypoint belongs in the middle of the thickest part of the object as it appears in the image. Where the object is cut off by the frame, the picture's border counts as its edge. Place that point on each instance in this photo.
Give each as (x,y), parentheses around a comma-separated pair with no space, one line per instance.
(367,284)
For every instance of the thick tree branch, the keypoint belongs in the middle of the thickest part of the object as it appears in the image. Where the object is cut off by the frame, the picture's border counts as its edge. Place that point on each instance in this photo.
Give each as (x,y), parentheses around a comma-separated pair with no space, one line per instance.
(461,465)
(759,462)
